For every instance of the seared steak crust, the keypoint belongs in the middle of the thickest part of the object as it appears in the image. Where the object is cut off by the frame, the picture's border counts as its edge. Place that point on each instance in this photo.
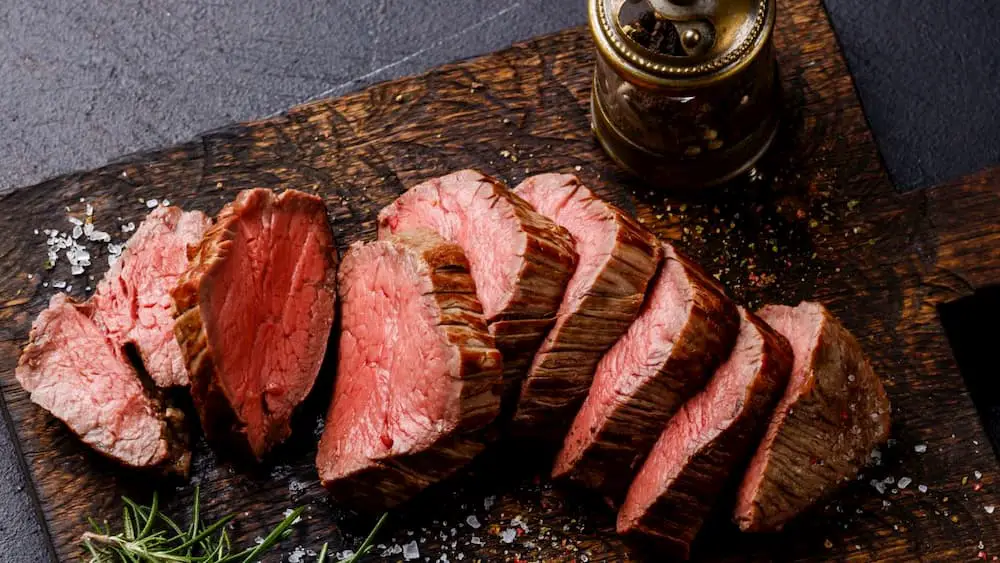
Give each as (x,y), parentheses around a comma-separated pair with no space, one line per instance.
(685,329)
(415,389)
(833,413)
(708,441)
(617,260)
(521,260)
(253,315)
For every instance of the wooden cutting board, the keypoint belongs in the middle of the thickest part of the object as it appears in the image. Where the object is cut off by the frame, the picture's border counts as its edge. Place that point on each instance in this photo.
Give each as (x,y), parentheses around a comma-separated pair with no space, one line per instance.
(822,221)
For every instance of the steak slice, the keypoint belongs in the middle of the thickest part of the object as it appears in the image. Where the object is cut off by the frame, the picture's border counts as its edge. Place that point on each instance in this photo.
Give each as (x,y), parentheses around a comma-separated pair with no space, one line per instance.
(416,387)
(73,370)
(684,330)
(708,441)
(132,303)
(521,260)
(254,313)
(617,260)
(833,413)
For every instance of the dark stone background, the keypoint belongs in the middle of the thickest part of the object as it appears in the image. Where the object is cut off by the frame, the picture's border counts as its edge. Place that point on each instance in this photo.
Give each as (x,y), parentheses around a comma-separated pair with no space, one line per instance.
(86,81)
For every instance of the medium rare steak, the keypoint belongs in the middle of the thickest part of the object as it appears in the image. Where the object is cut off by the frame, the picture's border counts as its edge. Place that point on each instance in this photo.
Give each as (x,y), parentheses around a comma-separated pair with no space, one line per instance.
(617,260)
(708,441)
(418,374)
(684,330)
(132,303)
(833,413)
(254,313)
(521,260)
(73,370)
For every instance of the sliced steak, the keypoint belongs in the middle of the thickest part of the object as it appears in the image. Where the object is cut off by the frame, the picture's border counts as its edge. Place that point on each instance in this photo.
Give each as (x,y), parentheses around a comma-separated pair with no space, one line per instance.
(254,314)
(684,330)
(617,260)
(132,303)
(833,413)
(521,260)
(418,374)
(708,441)
(73,370)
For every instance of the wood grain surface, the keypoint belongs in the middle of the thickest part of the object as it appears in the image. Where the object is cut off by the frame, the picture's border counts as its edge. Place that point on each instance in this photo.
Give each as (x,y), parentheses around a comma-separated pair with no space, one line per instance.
(819,220)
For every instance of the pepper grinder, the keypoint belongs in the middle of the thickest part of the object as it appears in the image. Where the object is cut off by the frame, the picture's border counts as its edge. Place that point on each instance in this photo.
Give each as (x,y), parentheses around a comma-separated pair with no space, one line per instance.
(685,92)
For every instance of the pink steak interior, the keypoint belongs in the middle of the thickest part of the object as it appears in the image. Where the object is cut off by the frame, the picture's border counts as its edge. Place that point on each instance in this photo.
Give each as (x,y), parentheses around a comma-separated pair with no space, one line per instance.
(397,389)
(269,309)
(463,208)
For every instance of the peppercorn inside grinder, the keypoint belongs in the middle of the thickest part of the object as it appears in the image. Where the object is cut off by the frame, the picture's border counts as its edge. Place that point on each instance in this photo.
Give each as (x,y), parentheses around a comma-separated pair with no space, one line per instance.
(685,92)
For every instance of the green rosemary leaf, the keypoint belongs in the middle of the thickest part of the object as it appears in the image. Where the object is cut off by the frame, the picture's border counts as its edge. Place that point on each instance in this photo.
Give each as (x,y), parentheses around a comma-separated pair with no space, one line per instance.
(152,515)
(322,553)
(366,545)
(276,535)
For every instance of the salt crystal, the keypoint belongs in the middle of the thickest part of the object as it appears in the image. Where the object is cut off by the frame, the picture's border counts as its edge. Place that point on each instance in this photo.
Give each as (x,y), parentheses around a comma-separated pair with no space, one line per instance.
(394,550)
(296,555)
(476,540)
(411,551)
(75,221)
(151,203)
(129,227)
(920,448)
(95,235)
(69,288)
(58,284)
(90,210)
(879,486)
(473,522)
(76,270)
(508,535)
(977,474)
(258,540)
(77,232)
(904,482)
(344,555)
(989,508)
(166,203)
(489,501)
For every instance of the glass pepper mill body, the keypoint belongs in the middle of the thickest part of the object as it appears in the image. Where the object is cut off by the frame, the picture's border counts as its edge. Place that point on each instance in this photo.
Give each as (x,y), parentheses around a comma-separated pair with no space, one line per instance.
(685,92)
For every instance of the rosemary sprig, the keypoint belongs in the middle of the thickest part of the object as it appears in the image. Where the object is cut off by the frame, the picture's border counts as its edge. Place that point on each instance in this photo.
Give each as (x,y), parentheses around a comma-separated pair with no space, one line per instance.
(149,536)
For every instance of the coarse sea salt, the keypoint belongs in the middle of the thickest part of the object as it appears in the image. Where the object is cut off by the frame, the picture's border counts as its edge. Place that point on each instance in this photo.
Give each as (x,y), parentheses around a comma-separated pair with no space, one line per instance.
(411,551)
(920,448)
(508,535)
(904,482)
(151,203)
(473,522)
(989,508)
